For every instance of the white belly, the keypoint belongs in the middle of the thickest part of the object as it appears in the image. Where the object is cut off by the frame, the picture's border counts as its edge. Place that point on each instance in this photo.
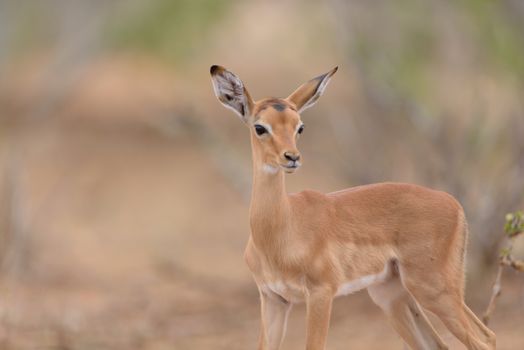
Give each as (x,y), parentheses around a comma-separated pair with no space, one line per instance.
(358,284)
(362,282)
(296,292)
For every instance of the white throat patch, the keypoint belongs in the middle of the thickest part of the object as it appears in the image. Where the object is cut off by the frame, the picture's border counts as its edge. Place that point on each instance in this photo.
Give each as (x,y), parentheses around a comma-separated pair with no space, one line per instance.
(269,169)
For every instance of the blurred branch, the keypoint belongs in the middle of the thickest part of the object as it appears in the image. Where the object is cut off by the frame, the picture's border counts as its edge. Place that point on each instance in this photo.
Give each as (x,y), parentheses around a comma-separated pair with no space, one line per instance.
(78,38)
(513,228)
(15,234)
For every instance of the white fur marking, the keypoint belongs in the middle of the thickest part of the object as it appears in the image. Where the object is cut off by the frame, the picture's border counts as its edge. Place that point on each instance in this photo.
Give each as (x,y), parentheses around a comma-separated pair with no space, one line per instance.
(298,127)
(277,287)
(270,169)
(362,282)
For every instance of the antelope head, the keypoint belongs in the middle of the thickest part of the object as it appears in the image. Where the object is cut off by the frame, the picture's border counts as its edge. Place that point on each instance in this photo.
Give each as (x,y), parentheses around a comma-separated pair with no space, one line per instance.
(274,123)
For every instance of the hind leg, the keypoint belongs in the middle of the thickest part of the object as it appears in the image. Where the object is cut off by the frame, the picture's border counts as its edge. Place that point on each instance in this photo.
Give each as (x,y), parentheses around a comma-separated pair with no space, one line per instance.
(461,321)
(481,328)
(405,315)
(447,302)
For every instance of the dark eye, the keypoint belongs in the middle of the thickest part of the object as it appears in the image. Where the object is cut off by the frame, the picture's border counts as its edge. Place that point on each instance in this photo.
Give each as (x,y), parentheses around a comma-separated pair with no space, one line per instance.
(300,129)
(260,130)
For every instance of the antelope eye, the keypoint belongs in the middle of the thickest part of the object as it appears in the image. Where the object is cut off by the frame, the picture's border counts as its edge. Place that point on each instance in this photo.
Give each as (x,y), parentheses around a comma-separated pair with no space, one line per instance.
(260,130)
(300,129)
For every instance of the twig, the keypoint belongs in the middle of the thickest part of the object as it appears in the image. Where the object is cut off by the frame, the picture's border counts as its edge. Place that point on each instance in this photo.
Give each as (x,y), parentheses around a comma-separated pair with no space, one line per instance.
(513,228)
(496,290)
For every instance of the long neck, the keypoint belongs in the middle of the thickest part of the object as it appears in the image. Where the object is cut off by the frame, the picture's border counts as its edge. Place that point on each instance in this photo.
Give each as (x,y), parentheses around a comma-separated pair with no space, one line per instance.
(270,208)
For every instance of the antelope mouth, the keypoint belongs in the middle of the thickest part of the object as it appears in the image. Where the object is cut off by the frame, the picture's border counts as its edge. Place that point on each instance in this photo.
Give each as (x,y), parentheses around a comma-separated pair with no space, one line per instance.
(290,167)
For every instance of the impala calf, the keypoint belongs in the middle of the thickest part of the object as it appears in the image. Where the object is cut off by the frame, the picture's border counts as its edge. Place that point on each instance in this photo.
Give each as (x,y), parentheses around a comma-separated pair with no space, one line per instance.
(402,242)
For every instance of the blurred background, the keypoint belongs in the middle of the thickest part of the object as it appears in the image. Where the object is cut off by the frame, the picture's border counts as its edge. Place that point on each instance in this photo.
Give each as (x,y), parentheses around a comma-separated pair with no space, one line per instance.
(124,184)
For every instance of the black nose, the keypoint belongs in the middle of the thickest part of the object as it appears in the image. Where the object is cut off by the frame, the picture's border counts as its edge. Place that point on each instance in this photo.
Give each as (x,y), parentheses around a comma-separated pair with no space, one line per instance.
(292,157)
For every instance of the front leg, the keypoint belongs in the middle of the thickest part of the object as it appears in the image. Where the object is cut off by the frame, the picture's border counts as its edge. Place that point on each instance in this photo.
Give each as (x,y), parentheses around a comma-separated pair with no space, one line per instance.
(318,306)
(274,312)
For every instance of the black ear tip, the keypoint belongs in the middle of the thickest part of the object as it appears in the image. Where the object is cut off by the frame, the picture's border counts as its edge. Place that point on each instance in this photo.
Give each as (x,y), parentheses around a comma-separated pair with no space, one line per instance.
(214,69)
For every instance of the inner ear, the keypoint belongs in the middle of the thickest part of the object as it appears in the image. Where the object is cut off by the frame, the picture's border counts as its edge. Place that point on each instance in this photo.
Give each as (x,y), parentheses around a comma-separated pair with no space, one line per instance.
(231,92)
(308,93)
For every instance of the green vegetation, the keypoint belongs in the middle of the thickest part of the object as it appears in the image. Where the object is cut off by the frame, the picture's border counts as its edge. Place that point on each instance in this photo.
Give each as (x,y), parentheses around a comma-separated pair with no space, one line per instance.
(513,227)
(514,224)
(170,29)
(400,50)
(498,37)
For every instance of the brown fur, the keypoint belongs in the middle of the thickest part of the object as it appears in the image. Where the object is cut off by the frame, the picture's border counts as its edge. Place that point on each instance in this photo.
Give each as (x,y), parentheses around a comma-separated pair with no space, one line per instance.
(306,246)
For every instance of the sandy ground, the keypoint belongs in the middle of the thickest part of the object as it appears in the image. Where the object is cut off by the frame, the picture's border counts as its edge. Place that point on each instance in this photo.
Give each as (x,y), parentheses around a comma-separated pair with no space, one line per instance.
(134,241)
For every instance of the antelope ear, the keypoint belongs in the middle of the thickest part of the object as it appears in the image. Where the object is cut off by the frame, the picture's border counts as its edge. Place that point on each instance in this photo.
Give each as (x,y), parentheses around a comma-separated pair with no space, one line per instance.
(231,92)
(308,93)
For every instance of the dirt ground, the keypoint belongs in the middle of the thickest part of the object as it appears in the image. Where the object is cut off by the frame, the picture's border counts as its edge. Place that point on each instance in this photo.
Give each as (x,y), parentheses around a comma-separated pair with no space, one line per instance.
(128,227)
(136,242)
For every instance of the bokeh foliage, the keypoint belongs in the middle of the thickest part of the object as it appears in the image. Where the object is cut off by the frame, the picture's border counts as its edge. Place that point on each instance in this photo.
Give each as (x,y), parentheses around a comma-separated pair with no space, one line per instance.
(170,29)
(499,34)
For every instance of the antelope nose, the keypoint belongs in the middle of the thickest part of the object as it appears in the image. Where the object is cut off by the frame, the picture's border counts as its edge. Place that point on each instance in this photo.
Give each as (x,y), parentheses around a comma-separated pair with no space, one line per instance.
(292,156)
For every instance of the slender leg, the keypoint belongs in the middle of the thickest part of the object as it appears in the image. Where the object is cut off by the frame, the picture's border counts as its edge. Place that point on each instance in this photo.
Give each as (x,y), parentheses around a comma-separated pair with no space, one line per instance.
(275,311)
(447,302)
(481,329)
(405,315)
(439,288)
(461,321)
(318,307)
